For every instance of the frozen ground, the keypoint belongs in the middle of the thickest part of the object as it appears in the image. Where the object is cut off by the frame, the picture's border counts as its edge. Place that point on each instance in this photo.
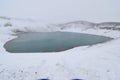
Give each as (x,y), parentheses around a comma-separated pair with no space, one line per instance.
(97,62)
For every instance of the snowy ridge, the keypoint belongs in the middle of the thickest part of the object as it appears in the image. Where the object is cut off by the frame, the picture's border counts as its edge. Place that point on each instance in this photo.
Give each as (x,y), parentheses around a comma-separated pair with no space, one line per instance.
(30,25)
(77,24)
(88,25)
(109,25)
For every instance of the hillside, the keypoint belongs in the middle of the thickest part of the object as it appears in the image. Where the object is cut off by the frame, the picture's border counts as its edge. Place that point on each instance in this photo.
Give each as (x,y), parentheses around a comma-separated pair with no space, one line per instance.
(30,25)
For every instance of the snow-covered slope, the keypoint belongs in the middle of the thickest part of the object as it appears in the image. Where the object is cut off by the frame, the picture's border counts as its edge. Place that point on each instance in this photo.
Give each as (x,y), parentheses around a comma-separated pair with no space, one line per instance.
(30,25)
(109,25)
(87,25)
(98,62)
(22,25)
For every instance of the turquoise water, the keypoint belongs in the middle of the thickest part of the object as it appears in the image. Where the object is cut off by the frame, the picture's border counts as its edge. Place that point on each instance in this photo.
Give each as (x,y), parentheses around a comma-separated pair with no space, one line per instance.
(51,41)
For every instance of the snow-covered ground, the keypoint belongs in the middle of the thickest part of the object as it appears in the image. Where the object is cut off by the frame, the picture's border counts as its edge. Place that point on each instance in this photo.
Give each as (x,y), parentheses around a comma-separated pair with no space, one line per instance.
(97,62)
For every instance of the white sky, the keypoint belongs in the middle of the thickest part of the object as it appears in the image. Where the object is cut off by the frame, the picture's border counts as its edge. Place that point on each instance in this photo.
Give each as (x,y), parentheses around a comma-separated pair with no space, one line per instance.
(62,10)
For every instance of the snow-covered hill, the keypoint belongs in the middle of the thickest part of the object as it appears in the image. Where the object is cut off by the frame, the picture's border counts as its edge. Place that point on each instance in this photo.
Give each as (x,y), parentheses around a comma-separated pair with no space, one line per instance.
(87,25)
(109,25)
(30,25)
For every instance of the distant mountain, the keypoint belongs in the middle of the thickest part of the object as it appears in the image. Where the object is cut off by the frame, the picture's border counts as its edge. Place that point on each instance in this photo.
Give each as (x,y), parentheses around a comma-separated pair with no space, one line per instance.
(109,25)
(83,25)
(88,25)
(76,24)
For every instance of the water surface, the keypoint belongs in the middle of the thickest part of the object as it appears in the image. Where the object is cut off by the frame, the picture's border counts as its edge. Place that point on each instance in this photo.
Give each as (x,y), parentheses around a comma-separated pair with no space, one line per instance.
(51,41)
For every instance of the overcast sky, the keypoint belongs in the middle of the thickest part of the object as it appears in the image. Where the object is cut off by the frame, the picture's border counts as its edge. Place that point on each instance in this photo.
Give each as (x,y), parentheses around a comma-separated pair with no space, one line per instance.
(62,10)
